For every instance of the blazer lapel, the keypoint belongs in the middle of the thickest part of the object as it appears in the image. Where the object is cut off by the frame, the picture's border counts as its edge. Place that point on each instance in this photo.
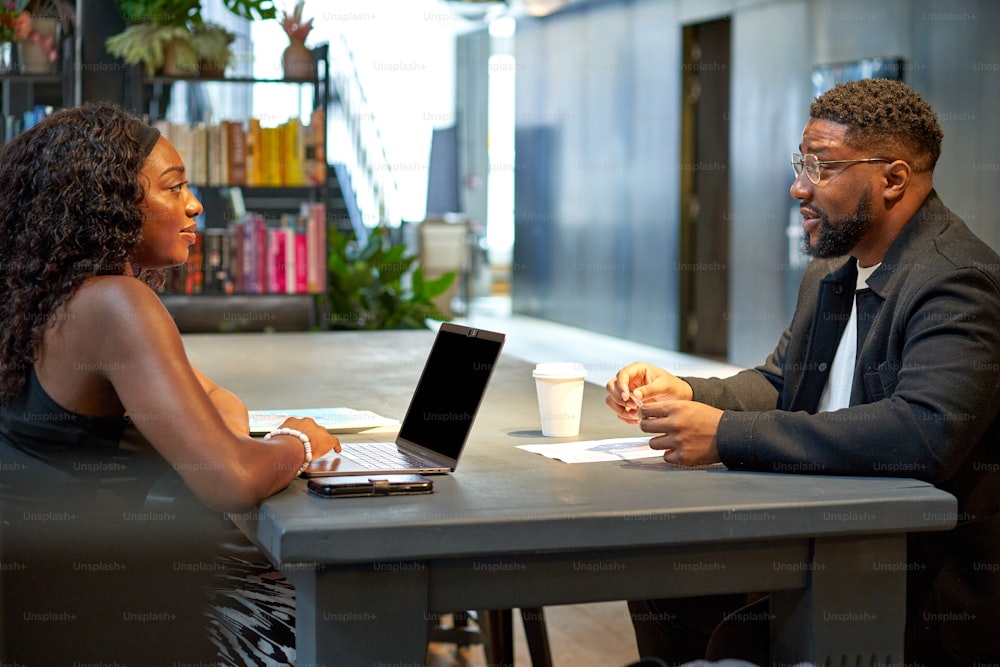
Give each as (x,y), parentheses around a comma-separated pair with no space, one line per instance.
(833,308)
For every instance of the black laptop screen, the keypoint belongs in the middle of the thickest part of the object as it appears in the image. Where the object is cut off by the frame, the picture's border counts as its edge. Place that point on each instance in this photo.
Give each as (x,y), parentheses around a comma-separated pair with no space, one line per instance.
(450,389)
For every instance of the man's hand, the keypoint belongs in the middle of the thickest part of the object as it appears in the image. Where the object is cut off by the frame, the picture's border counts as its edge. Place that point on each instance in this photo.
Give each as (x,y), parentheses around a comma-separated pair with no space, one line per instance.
(688,430)
(640,382)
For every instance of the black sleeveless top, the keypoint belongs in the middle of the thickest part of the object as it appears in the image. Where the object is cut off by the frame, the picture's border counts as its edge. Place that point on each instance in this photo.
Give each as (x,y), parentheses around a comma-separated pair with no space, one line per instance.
(47,451)
(78,490)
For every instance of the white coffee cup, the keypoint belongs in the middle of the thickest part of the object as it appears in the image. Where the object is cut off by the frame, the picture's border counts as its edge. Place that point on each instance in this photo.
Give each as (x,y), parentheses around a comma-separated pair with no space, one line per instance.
(560,397)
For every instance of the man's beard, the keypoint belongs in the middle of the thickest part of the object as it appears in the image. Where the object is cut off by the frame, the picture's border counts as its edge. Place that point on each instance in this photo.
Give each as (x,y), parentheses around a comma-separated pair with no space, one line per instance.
(834,241)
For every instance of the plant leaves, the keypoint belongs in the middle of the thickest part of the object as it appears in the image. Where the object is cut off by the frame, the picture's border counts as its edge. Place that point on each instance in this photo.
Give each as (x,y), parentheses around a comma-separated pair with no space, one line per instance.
(439,285)
(365,285)
(252,9)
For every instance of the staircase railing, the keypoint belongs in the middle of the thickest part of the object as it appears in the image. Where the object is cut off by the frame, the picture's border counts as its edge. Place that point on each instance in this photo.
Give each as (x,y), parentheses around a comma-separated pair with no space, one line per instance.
(355,140)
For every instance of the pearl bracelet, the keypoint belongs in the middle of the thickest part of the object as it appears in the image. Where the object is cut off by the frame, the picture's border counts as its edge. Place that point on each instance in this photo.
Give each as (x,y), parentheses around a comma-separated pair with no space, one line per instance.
(306,445)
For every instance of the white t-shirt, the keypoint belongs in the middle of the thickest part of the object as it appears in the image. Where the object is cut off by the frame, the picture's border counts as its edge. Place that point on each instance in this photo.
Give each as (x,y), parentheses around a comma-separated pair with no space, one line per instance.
(837,392)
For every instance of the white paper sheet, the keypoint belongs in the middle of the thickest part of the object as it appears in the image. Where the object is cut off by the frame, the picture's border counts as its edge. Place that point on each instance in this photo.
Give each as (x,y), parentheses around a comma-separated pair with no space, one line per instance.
(335,420)
(590,451)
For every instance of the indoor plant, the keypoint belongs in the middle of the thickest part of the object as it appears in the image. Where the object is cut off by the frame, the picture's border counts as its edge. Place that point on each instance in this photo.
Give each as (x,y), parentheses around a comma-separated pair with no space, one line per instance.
(365,285)
(157,36)
(165,48)
(157,27)
(211,45)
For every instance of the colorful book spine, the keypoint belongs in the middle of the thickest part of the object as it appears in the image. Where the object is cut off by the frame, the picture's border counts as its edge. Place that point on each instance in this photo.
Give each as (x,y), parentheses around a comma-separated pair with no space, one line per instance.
(194,278)
(216,243)
(301,250)
(261,268)
(254,158)
(237,154)
(270,156)
(199,155)
(277,282)
(316,147)
(315,215)
(254,256)
(291,154)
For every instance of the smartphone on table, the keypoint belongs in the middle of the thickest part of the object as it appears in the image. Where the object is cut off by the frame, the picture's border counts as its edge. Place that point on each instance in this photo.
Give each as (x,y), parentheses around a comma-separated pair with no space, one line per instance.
(356,486)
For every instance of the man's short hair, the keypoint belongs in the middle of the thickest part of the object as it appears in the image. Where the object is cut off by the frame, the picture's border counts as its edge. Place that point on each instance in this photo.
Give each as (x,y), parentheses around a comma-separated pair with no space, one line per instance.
(885,116)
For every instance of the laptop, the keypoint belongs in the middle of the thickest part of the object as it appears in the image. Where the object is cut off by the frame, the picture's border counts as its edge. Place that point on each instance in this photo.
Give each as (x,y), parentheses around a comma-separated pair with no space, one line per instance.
(439,418)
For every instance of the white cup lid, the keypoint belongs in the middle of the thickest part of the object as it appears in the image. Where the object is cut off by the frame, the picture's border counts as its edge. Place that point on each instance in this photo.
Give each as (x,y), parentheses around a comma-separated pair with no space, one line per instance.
(559,370)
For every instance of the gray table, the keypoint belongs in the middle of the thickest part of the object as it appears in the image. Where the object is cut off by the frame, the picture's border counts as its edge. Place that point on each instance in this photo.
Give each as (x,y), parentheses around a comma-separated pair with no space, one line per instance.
(514,529)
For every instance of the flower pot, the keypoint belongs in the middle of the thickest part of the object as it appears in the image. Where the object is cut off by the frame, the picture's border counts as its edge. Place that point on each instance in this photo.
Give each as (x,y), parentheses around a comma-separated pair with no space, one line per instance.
(39,54)
(297,62)
(174,66)
(210,70)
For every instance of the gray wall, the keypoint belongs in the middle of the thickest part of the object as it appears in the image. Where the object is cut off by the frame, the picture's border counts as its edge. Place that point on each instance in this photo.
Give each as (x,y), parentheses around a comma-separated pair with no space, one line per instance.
(597,173)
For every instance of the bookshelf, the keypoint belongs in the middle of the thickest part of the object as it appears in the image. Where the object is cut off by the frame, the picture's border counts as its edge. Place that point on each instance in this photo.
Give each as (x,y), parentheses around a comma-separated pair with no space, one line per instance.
(25,97)
(260,263)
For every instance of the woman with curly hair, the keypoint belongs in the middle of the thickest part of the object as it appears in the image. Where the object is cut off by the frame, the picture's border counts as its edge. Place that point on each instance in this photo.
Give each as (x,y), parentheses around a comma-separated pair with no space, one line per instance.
(101,413)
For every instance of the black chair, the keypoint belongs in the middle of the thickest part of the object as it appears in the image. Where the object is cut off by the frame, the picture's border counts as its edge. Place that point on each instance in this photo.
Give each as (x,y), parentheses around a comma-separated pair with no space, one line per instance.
(494,629)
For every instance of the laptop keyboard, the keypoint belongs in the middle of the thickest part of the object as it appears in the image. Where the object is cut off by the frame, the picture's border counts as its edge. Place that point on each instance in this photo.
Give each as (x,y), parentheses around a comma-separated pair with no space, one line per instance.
(382,456)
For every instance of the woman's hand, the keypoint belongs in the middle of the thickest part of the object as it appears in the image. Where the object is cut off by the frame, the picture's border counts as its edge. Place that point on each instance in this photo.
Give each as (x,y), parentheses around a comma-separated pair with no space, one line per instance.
(322,441)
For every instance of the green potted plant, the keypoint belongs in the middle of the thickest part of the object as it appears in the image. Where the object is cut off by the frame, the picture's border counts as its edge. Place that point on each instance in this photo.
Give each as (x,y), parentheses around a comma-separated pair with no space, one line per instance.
(211,45)
(160,48)
(365,285)
(157,36)
(163,33)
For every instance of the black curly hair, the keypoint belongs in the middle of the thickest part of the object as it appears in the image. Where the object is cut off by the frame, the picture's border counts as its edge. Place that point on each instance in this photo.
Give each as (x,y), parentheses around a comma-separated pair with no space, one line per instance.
(70,197)
(885,116)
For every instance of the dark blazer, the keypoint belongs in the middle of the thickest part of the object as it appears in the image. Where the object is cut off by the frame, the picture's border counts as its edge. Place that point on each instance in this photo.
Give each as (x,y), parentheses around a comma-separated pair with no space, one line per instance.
(925,403)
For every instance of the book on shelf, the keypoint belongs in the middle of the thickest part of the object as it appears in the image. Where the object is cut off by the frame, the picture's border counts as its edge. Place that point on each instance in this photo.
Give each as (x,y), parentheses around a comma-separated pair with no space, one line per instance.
(217,252)
(236,153)
(316,249)
(217,154)
(247,153)
(278,264)
(316,148)
(257,256)
(253,152)
(270,156)
(14,124)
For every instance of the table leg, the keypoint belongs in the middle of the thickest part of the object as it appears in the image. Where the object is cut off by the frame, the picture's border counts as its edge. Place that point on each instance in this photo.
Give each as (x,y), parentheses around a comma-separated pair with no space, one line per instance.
(537,636)
(852,610)
(499,630)
(361,616)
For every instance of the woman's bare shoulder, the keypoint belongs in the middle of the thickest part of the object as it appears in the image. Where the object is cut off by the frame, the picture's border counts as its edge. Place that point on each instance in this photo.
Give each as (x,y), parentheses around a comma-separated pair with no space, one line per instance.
(117,299)
(111,326)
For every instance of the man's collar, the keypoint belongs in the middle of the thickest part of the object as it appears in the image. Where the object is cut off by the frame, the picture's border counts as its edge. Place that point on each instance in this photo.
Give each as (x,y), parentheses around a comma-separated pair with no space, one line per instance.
(927,223)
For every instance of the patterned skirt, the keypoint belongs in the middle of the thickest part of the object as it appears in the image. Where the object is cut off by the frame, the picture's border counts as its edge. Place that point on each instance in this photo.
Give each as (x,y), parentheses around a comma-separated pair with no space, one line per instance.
(251,610)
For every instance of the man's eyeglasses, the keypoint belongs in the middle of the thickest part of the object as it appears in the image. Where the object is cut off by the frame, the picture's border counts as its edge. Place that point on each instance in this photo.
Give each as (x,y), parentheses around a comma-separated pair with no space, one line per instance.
(811,164)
